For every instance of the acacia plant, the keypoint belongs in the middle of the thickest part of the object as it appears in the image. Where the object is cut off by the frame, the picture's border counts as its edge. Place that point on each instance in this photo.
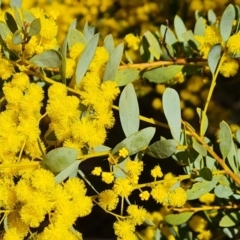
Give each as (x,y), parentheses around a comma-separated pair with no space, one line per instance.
(57,106)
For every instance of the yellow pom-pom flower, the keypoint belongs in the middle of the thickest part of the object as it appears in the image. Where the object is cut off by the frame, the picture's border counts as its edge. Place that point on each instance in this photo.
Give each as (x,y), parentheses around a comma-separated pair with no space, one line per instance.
(132,41)
(123,187)
(177,197)
(144,195)
(108,199)
(107,177)
(97,171)
(159,193)
(156,172)
(123,152)
(137,214)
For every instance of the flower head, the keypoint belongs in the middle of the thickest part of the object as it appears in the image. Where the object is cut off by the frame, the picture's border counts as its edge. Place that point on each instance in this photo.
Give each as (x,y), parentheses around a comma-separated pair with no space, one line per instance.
(177,197)
(123,187)
(137,214)
(124,228)
(108,199)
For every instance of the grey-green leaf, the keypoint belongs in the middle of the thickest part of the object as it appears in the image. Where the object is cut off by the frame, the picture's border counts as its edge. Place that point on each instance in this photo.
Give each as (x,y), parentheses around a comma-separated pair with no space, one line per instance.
(179,27)
(154,46)
(168,34)
(88,31)
(4,30)
(60,177)
(11,23)
(211,17)
(129,110)
(74,36)
(125,76)
(16,3)
(222,191)
(48,58)
(225,138)
(17,37)
(230,220)
(200,27)
(214,57)
(137,141)
(201,115)
(162,74)
(200,149)
(201,188)
(63,51)
(35,27)
(206,174)
(113,63)
(86,58)
(59,159)
(109,43)
(162,149)
(178,219)
(172,111)
(226,22)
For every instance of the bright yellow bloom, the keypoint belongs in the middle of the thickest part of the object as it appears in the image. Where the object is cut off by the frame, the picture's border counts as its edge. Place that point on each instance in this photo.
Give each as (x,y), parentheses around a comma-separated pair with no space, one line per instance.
(49,28)
(159,193)
(105,119)
(70,67)
(132,41)
(197,223)
(123,152)
(205,235)
(20,80)
(177,197)
(84,206)
(229,67)
(123,187)
(75,188)
(233,44)
(124,228)
(110,90)
(108,199)
(137,214)
(134,168)
(76,50)
(97,171)
(6,69)
(12,234)
(144,195)
(107,177)
(212,35)
(156,172)
(207,198)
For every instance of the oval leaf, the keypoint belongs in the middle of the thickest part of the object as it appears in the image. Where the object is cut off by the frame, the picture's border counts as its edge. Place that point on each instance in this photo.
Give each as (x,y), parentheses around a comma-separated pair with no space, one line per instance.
(35,27)
(179,27)
(227,21)
(168,34)
(178,219)
(200,149)
(137,141)
(113,63)
(17,37)
(125,76)
(86,58)
(213,57)
(48,58)
(129,110)
(200,26)
(222,191)
(11,23)
(225,138)
(109,43)
(15,3)
(229,220)
(201,188)
(162,149)
(59,159)
(171,108)
(211,17)
(154,46)
(206,174)
(162,74)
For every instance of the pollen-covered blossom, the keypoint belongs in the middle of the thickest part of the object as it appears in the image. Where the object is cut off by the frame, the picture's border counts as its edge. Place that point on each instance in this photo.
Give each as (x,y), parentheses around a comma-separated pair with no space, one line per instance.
(132,41)
(97,171)
(110,90)
(70,67)
(107,177)
(156,172)
(6,70)
(229,67)
(108,199)
(123,152)
(76,50)
(144,195)
(159,193)
(122,187)
(124,228)
(137,214)
(177,197)
(233,44)
(134,168)
(197,223)
(207,198)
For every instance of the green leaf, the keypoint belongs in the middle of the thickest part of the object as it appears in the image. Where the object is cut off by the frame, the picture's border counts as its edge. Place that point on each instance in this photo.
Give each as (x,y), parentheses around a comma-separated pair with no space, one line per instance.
(200,149)
(17,16)
(162,74)
(211,17)
(109,43)
(222,191)
(16,3)
(4,30)
(66,172)
(172,111)
(59,159)
(169,36)
(206,174)
(86,58)
(200,27)
(225,138)
(11,23)
(113,63)
(237,135)
(17,37)
(154,46)
(229,220)
(179,28)
(137,141)
(63,51)
(88,31)
(125,76)
(129,110)
(201,188)
(232,158)
(117,169)
(27,15)
(162,149)
(47,59)
(178,219)
(226,22)
(35,27)
(74,36)
(205,123)
(214,57)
